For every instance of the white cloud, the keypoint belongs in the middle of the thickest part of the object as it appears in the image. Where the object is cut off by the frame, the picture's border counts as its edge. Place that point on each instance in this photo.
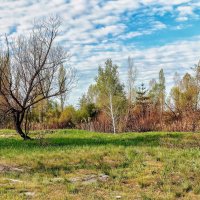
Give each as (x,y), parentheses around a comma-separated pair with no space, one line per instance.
(184,13)
(155,26)
(113,29)
(131,35)
(88,23)
(178,56)
(107,20)
(185,10)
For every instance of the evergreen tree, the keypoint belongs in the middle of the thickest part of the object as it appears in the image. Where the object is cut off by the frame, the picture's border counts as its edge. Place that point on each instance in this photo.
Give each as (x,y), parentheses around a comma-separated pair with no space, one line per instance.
(143,99)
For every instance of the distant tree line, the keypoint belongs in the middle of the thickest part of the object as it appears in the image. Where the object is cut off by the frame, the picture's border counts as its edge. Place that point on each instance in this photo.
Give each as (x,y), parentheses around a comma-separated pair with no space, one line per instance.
(110,106)
(120,108)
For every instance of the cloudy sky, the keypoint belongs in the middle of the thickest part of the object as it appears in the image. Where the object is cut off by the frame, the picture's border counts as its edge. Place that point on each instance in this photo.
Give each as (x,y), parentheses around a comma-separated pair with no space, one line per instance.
(156,33)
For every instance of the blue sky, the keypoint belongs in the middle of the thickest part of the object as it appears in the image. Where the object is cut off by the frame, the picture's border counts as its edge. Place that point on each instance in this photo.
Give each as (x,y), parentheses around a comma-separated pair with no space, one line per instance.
(155,33)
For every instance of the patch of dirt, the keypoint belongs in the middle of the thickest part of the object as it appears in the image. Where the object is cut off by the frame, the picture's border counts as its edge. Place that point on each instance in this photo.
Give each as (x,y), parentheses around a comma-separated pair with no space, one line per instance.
(7,135)
(29,194)
(103,177)
(85,179)
(89,179)
(57,180)
(6,168)
(13,180)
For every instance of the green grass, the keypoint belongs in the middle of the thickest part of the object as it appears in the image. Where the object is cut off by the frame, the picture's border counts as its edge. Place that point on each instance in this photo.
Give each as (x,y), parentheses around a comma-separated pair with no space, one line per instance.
(70,164)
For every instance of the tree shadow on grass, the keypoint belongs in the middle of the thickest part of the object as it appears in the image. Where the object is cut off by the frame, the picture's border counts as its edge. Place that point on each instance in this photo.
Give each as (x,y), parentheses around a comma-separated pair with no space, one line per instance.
(142,140)
(146,139)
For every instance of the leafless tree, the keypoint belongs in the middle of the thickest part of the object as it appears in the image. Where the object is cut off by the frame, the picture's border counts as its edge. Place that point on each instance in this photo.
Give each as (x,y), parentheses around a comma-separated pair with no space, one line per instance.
(132,74)
(61,76)
(29,71)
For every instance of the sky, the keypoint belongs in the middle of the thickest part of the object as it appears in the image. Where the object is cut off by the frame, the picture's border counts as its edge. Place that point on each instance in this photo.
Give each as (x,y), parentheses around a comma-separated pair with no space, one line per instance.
(155,33)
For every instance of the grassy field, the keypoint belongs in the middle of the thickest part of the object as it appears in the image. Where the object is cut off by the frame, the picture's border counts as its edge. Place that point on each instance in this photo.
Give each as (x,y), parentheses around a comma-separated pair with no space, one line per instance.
(80,165)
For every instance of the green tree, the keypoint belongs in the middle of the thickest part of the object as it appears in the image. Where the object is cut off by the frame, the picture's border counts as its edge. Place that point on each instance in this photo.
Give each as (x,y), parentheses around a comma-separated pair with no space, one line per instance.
(143,99)
(183,101)
(68,117)
(111,96)
(154,93)
(87,109)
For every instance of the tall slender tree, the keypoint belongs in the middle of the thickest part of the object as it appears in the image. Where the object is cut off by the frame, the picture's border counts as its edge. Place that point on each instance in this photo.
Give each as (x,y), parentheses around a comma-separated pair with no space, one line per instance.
(162,94)
(111,91)
(132,73)
(62,85)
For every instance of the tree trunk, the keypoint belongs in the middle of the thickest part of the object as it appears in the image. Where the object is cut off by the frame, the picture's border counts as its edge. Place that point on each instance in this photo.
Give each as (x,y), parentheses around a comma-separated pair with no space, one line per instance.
(18,119)
(112,114)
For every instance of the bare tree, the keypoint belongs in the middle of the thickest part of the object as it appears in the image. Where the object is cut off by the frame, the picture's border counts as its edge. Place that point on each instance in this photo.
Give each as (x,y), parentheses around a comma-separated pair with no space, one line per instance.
(132,73)
(195,110)
(62,85)
(29,71)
